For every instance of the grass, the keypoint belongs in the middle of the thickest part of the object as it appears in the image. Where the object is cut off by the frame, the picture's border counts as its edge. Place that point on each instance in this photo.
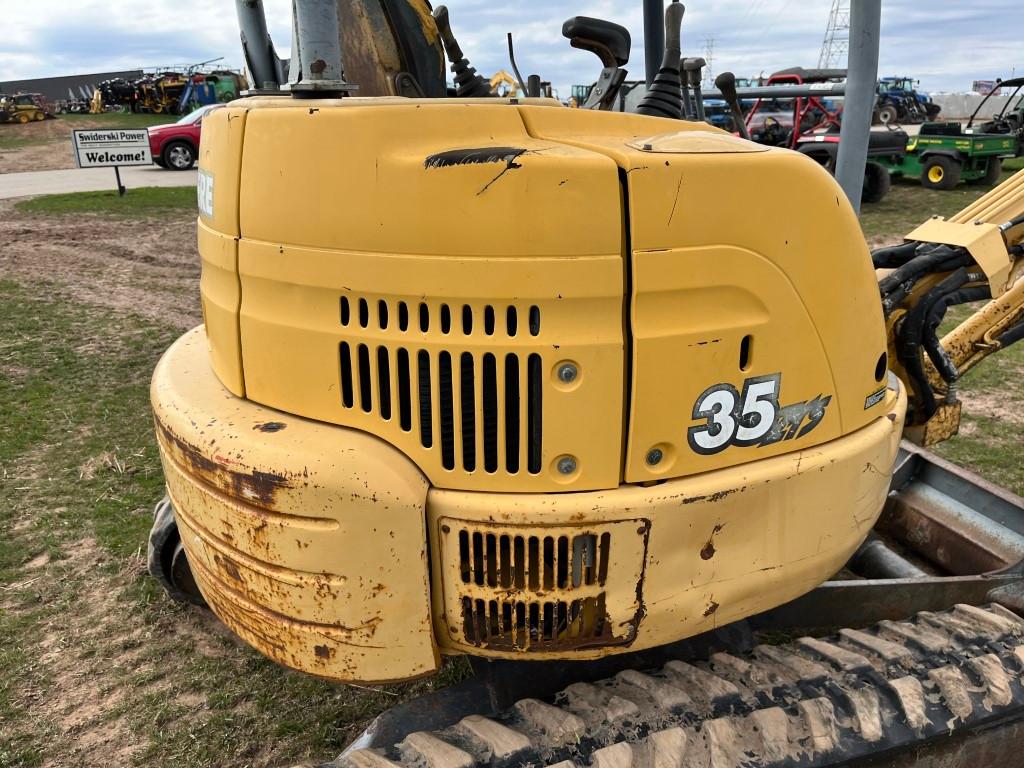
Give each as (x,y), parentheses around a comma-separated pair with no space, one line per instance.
(139,202)
(909,204)
(78,464)
(17,142)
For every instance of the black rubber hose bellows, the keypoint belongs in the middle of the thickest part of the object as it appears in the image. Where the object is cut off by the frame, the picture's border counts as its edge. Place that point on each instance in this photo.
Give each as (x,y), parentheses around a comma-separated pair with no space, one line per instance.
(665,96)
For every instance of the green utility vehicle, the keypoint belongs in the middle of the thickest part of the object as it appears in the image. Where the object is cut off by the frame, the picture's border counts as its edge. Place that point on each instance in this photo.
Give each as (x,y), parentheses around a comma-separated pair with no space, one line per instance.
(943,155)
(1008,120)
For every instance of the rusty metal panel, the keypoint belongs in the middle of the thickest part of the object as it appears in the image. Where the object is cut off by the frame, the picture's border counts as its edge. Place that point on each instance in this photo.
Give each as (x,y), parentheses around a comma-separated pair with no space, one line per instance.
(530,589)
(306,539)
(721,545)
(952,517)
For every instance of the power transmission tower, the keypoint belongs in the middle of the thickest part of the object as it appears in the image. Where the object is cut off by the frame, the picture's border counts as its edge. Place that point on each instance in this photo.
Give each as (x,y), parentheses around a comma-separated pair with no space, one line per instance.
(836,46)
(709,55)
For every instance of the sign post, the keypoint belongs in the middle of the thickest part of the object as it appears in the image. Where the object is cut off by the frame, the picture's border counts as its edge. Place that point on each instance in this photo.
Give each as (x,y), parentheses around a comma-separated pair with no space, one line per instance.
(111,148)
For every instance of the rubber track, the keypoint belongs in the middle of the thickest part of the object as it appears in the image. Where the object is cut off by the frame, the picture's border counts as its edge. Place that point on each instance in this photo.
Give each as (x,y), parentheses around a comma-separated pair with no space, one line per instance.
(812,702)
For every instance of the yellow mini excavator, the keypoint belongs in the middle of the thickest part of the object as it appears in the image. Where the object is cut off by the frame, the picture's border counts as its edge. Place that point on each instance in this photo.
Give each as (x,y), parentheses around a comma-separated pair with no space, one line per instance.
(599,452)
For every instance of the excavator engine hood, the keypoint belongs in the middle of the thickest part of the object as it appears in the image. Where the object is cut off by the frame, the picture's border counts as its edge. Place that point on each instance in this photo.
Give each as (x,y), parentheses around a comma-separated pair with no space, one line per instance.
(507,302)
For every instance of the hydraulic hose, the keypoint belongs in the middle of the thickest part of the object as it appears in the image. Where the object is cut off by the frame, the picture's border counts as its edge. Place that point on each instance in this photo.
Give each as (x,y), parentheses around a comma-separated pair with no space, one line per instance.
(894,256)
(910,337)
(936,312)
(1011,335)
(893,298)
(925,263)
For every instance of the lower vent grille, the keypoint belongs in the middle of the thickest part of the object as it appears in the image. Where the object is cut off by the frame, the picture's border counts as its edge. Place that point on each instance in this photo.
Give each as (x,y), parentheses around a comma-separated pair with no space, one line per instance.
(542,589)
(533,562)
(537,626)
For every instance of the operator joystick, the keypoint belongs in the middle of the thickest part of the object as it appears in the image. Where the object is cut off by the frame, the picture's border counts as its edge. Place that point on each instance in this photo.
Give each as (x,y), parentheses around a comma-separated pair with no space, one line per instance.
(468,84)
(692,70)
(665,96)
(726,84)
(611,43)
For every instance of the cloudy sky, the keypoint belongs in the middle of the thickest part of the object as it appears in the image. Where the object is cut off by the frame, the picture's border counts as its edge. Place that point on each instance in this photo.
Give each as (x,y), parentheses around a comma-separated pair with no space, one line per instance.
(944,43)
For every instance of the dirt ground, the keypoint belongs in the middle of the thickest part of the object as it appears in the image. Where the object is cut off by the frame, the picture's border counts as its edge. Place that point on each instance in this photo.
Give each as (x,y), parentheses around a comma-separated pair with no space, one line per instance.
(44,146)
(111,263)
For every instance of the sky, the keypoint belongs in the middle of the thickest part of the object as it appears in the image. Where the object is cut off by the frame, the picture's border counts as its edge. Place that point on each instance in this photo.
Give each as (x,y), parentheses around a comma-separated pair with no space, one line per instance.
(945,44)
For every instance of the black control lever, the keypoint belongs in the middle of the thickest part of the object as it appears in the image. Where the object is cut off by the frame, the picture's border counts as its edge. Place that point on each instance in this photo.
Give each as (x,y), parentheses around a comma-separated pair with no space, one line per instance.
(694,74)
(689,113)
(611,43)
(665,96)
(726,84)
(468,84)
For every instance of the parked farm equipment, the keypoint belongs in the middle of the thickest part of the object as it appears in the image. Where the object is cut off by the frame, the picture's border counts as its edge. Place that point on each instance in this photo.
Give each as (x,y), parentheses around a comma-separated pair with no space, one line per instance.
(796,109)
(174,92)
(899,101)
(781,121)
(24,108)
(943,154)
(1007,121)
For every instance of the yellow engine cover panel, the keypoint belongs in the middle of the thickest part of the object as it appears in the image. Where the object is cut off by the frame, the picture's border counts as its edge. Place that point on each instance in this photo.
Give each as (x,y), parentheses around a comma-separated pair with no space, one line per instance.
(467,280)
(220,163)
(429,289)
(756,323)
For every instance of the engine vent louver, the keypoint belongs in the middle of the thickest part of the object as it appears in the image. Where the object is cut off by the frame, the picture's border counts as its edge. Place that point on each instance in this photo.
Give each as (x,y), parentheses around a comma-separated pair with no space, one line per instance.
(520,565)
(472,407)
(536,589)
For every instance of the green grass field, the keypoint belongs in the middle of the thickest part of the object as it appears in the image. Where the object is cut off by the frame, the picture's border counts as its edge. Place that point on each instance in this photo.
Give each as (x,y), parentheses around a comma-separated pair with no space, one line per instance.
(17,142)
(135,204)
(909,204)
(97,667)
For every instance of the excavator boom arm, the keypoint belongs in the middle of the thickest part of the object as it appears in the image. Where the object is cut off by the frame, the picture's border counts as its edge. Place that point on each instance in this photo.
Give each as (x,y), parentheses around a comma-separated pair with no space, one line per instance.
(976,255)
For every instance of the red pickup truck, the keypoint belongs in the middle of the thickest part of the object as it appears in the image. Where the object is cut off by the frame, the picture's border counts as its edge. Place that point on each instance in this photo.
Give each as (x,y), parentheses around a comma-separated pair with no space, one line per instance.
(176,146)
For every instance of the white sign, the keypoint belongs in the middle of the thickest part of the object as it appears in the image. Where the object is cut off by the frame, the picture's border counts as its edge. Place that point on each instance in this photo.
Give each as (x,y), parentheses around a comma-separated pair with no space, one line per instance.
(105,147)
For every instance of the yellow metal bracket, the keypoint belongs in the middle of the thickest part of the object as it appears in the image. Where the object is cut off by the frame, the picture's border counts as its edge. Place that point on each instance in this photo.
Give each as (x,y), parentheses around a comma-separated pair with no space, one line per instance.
(982,240)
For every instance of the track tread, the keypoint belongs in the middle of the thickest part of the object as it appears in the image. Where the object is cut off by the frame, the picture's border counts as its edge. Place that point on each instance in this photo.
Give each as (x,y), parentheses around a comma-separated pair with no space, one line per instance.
(664,694)
(841,658)
(434,751)
(498,740)
(886,650)
(705,683)
(813,702)
(803,669)
(926,638)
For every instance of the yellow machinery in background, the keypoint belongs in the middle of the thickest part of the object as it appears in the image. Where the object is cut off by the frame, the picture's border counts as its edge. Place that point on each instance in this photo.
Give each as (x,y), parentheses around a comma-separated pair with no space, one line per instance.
(503,84)
(400,436)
